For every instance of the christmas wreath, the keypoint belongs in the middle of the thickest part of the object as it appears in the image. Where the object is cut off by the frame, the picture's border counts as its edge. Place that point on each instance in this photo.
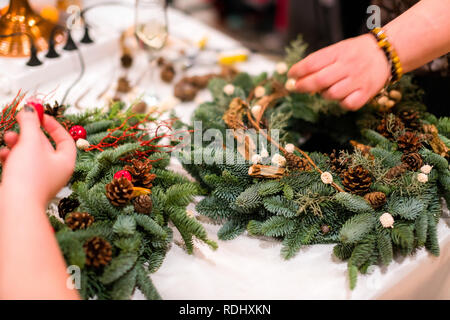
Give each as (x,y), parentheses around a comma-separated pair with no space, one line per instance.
(114,226)
(377,196)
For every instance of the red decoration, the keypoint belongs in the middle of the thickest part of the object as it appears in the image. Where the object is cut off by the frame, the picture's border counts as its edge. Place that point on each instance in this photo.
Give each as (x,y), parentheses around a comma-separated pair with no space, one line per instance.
(122,174)
(78,132)
(39,107)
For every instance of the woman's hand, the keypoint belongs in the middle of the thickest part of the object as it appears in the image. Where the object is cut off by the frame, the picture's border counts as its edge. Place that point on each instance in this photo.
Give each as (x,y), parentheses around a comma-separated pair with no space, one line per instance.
(31,165)
(351,71)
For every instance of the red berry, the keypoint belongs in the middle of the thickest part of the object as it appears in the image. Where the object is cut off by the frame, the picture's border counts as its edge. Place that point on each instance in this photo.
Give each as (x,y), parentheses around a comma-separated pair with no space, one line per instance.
(77,132)
(38,106)
(122,174)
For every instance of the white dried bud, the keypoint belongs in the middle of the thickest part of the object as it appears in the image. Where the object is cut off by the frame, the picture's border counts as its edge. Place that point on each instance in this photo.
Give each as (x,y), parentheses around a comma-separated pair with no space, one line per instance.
(256,158)
(290,84)
(260,91)
(390,103)
(290,148)
(228,89)
(264,153)
(281,67)
(190,213)
(382,100)
(396,95)
(82,144)
(326,178)
(256,109)
(278,160)
(387,220)
(422,177)
(426,169)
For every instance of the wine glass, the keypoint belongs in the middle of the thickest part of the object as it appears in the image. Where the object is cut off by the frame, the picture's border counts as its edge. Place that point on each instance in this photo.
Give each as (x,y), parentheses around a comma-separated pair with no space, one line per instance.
(151,32)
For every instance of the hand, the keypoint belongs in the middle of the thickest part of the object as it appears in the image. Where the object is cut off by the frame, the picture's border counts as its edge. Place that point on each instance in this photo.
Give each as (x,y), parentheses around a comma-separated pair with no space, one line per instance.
(351,71)
(31,166)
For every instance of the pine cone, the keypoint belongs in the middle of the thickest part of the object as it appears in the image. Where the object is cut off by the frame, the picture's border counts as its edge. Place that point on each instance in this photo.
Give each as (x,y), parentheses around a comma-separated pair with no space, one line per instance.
(126,60)
(411,119)
(376,199)
(294,162)
(167,73)
(325,229)
(67,205)
(357,180)
(337,163)
(119,191)
(143,204)
(396,171)
(409,142)
(98,252)
(140,172)
(2,135)
(56,111)
(79,220)
(388,127)
(413,161)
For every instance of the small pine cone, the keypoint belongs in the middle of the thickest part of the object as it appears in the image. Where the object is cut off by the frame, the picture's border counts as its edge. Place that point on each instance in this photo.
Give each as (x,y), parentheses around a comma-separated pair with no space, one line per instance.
(143,204)
(126,60)
(167,73)
(67,205)
(55,111)
(119,191)
(294,162)
(411,119)
(409,142)
(79,220)
(140,172)
(376,199)
(356,180)
(98,252)
(396,171)
(337,163)
(2,135)
(388,127)
(413,161)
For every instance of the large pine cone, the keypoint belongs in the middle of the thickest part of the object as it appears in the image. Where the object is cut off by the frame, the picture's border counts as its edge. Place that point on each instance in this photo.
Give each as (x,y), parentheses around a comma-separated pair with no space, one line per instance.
(411,119)
(119,191)
(376,199)
(79,220)
(98,252)
(294,162)
(396,171)
(143,204)
(413,161)
(140,172)
(356,180)
(409,142)
(337,163)
(388,127)
(67,205)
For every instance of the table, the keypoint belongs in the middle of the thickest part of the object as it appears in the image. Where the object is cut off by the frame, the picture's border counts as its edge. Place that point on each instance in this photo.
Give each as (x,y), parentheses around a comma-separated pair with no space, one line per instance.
(249,267)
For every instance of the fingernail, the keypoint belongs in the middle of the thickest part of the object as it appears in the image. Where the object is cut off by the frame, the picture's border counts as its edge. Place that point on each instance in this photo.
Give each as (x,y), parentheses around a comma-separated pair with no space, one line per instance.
(27,108)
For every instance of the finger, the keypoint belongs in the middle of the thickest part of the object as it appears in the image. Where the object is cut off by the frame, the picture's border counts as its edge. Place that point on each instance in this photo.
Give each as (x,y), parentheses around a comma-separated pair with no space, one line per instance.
(11,139)
(339,90)
(29,124)
(321,80)
(354,100)
(4,153)
(312,63)
(63,140)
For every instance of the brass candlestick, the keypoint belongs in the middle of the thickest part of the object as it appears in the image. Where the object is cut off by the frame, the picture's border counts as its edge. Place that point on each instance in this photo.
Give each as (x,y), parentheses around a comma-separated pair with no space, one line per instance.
(21,18)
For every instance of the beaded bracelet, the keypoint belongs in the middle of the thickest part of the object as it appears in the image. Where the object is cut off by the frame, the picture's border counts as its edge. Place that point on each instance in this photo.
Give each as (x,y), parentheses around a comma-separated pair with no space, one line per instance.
(391,54)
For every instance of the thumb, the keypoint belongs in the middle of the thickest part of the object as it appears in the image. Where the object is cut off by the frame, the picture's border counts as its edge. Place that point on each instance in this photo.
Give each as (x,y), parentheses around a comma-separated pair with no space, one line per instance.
(29,123)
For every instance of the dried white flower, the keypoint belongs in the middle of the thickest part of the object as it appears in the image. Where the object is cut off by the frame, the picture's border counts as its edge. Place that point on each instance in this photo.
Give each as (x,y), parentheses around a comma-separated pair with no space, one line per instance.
(256,109)
(422,177)
(326,178)
(264,153)
(228,89)
(260,91)
(290,84)
(82,144)
(281,67)
(290,148)
(256,158)
(190,213)
(387,220)
(278,160)
(426,169)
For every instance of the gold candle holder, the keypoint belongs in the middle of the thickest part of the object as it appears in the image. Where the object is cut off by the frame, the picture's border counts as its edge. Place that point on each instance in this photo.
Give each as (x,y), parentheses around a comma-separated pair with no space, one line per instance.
(21,18)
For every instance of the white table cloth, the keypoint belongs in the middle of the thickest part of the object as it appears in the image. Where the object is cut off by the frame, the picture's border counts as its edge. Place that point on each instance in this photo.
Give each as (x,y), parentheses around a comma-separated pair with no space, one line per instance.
(247,267)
